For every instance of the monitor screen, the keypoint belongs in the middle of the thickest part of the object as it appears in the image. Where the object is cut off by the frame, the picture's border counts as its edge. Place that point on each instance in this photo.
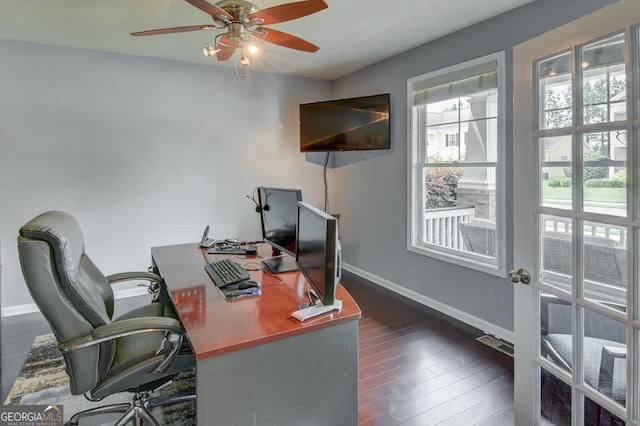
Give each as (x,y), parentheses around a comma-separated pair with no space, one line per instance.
(278,213)
(354,124)
(318,251)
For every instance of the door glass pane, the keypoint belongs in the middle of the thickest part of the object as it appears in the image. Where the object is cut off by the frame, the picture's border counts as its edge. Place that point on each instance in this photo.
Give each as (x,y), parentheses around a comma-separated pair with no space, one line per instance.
(604,81)
(554,79)
(555,171)
(594,414)
(555,331)
(555,400)
(604,172)
(556,257)
(605,264)
(605,355)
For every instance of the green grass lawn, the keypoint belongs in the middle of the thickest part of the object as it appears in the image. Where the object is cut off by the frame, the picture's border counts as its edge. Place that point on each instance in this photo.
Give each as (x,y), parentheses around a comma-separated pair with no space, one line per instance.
(605,195)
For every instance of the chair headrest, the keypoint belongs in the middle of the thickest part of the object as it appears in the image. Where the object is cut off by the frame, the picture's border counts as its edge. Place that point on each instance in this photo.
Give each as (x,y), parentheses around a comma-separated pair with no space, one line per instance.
(63,233)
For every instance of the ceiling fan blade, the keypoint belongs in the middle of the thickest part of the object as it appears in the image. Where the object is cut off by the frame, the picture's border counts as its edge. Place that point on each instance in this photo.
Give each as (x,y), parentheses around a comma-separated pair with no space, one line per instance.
(209,8)
(288,11)
(286,40)
(174,30)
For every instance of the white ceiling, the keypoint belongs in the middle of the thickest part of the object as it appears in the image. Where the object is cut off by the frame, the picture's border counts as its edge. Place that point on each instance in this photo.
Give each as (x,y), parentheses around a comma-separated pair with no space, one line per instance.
(351,34)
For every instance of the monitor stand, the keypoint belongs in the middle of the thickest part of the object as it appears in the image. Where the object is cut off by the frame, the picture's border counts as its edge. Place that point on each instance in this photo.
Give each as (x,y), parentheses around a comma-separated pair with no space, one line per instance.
(280,264)
(317,309)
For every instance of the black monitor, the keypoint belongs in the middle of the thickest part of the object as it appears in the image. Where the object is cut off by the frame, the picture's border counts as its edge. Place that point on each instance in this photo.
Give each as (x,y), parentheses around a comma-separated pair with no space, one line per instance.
(278,213)
(318,251)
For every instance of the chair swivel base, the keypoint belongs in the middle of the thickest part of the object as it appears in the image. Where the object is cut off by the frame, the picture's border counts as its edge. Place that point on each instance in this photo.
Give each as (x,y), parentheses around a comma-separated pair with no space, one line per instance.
(138,410)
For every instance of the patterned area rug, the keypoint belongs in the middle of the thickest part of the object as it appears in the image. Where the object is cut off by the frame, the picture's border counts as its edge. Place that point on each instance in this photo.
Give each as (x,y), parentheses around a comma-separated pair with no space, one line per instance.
(43,380)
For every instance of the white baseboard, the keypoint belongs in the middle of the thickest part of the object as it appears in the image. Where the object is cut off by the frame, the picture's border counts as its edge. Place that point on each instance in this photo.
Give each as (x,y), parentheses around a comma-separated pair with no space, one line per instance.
(30,308)
(465,317)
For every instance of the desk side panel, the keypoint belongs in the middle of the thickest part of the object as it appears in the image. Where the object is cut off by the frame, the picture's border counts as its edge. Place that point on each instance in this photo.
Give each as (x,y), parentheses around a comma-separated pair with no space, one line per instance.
(307,379)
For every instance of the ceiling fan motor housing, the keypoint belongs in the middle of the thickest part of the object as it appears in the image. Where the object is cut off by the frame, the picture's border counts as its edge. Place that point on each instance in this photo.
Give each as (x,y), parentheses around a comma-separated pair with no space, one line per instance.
(239,9)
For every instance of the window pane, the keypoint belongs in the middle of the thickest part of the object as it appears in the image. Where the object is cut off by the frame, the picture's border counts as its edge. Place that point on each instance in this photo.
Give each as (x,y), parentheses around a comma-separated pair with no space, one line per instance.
(555,331)
(605,264)
(473,119)
(556,257)
(604,172)
(555,173)
(594,414)
(443,112)
(439,146)
(605,355)
(604,81)
(555,400)
(554,78)
(460,208)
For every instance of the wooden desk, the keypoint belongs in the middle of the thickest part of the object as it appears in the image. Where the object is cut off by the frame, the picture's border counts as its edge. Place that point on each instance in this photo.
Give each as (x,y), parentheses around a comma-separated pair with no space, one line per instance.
(256,364)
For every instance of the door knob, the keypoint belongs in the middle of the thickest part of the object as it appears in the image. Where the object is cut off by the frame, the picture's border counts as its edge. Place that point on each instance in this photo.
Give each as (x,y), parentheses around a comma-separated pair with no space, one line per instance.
(520,276)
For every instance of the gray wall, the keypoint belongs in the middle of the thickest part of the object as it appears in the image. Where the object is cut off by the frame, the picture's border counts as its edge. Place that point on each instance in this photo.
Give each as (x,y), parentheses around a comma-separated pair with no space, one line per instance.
(370,189)
(142,152)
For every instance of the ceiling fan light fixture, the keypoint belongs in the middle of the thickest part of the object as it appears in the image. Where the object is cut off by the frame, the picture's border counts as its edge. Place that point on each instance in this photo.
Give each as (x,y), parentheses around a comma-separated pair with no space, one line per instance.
(210,51)
(244,61)
(253,49)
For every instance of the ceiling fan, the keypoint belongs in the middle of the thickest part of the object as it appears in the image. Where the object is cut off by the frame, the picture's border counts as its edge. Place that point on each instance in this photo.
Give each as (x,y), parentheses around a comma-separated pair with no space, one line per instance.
(244,23)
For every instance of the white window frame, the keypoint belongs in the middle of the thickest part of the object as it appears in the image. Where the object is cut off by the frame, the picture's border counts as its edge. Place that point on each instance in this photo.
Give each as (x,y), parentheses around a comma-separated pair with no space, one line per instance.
(415,208)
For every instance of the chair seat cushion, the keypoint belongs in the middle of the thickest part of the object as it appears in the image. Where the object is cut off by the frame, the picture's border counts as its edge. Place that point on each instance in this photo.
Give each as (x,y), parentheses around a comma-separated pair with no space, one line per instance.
(592,355)
(135,355)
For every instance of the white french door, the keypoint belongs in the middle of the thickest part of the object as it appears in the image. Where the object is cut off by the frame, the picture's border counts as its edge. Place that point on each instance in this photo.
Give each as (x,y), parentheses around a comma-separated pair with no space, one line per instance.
(577,222)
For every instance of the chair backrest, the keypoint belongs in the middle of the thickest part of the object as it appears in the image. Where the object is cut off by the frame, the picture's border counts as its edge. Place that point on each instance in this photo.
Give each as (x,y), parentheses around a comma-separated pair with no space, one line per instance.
(604,262)
(71,292)
(479,236)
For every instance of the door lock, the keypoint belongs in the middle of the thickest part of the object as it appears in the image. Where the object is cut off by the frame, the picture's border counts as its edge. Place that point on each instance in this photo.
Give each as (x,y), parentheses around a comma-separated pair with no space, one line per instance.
(520,276)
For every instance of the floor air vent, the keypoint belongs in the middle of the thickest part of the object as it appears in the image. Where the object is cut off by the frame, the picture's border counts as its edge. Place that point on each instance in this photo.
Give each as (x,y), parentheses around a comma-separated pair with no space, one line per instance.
(497,344)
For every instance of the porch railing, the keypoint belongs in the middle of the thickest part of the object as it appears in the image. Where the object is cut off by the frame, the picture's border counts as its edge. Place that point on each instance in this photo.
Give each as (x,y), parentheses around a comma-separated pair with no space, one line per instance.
(612,232)
(441,226)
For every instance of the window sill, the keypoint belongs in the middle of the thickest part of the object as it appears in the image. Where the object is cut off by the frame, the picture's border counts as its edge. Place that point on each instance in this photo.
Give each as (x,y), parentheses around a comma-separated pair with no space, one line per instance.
(480,263)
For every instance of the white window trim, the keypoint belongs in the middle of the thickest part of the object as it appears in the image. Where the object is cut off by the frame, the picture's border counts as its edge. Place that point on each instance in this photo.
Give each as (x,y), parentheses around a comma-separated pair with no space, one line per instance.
(414,187)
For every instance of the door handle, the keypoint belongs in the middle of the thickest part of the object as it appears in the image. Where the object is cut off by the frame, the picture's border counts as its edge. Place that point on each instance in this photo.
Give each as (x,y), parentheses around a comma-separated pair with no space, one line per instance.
(520,276)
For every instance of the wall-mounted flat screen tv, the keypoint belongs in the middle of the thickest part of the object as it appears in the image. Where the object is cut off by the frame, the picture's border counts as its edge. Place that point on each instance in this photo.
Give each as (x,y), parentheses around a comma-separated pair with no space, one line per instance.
(354,124)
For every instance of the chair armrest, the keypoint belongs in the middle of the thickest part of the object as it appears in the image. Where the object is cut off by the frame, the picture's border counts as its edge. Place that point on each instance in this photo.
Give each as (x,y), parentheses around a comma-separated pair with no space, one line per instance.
(134,275)
(549,350)
(123,328)
(141,324)
(155,281)
(607,363)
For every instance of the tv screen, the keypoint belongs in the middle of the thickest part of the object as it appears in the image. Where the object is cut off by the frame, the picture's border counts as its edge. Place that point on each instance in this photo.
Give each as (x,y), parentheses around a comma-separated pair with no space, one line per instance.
(354,124)
(278,214)
(318,251)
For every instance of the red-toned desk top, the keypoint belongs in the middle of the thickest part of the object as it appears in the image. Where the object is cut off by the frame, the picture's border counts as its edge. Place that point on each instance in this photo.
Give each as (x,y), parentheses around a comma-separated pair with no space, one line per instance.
(216,326)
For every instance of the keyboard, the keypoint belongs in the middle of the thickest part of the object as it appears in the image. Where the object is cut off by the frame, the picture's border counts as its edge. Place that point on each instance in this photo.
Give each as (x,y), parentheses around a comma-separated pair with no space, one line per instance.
(225,272)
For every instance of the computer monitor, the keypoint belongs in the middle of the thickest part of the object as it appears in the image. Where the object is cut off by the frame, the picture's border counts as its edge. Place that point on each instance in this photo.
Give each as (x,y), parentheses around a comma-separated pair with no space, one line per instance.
(318,251)
(278,214)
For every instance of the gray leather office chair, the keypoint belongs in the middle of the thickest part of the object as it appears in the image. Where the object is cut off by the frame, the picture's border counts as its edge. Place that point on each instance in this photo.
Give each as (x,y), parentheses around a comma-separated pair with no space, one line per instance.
(137,352)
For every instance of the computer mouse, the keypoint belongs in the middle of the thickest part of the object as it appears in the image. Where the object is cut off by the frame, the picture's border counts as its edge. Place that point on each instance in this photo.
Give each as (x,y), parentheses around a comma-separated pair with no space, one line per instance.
(251,249)
(247,284)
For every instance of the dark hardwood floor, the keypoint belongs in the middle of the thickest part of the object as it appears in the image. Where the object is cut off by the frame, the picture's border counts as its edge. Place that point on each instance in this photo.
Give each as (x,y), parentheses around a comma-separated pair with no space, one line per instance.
(417,366)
